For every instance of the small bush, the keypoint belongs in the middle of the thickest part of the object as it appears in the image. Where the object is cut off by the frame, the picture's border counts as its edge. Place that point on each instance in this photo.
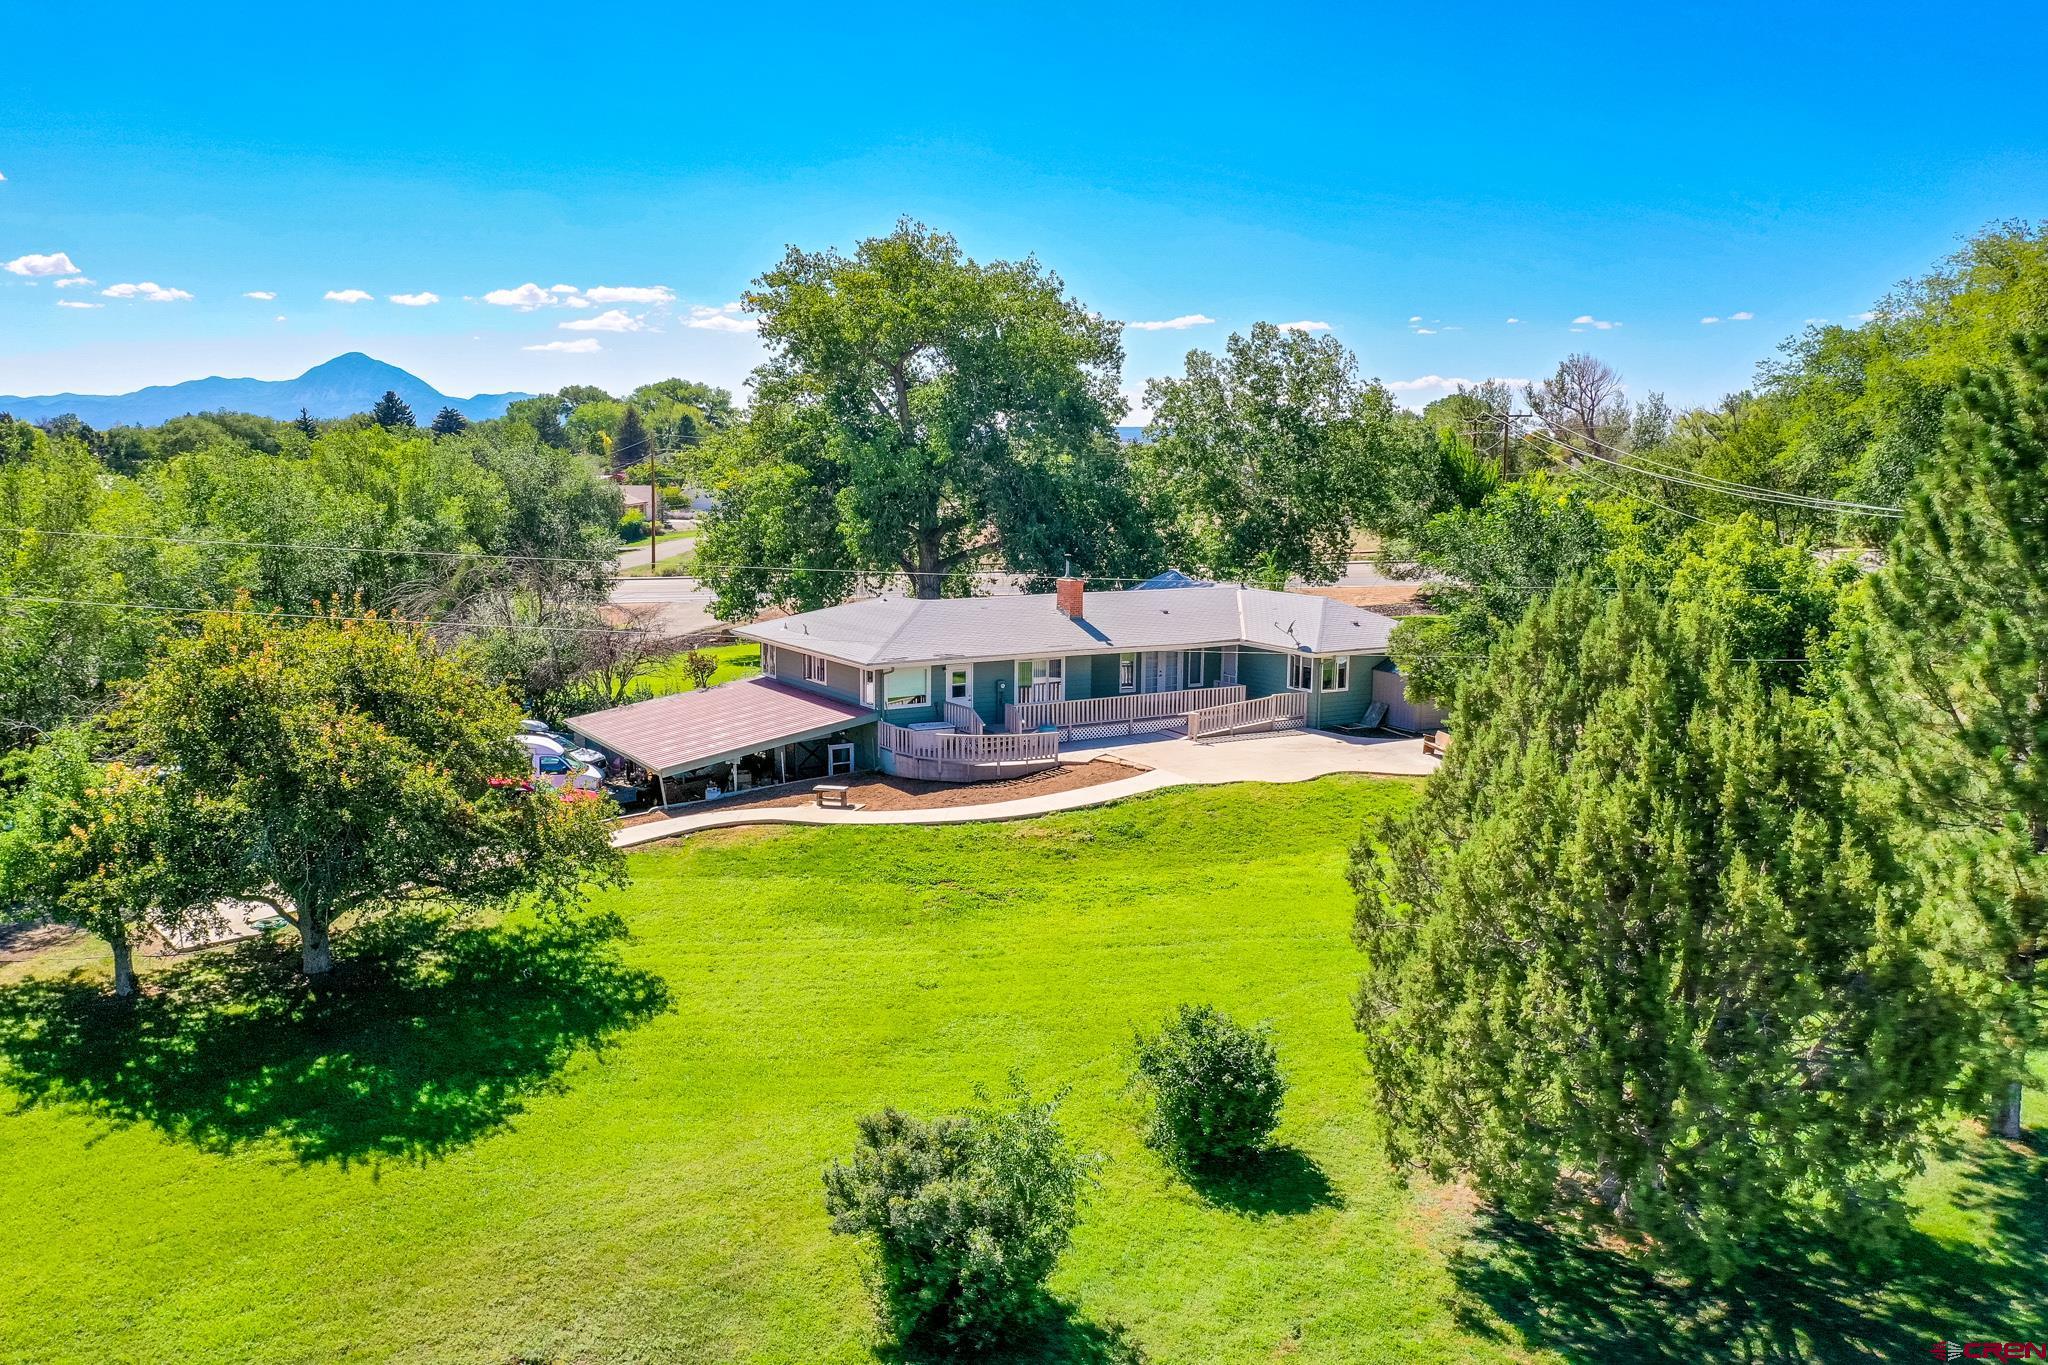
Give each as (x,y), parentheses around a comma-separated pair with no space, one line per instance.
(633,525)
(968,1216)
(1216,1087)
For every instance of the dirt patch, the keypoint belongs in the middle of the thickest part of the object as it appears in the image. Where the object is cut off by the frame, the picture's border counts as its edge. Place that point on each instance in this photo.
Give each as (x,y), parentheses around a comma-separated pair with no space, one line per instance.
(1387,599)
(873,791)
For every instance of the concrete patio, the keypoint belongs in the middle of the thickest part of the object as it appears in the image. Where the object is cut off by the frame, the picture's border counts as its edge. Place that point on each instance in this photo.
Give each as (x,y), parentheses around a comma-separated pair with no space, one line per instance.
(1168,760)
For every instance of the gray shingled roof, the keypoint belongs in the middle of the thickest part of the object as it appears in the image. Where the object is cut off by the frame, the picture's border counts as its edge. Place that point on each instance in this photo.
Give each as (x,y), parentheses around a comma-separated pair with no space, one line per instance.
(898,630)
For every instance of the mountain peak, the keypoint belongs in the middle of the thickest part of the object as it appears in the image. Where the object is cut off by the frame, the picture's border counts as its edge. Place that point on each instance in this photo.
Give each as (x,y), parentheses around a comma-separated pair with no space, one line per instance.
(349,383)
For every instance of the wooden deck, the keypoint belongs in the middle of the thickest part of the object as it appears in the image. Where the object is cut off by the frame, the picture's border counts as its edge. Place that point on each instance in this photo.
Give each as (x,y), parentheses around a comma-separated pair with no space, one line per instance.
(950,756)
(1127,713)
(1281,711)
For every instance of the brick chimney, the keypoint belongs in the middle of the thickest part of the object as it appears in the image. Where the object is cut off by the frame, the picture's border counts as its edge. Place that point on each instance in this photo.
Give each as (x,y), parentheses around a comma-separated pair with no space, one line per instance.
(1067,596)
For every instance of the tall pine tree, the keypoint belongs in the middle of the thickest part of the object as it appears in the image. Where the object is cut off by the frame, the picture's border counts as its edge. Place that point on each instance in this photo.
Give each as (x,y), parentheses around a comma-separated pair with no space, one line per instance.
(1638,956)
(1948,692)
(392,411)
(306,424)
(630,445)
(448,422)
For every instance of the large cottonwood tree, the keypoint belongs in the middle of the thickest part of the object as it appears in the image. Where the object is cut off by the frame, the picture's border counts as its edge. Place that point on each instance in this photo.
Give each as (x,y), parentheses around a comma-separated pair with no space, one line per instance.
(920,414)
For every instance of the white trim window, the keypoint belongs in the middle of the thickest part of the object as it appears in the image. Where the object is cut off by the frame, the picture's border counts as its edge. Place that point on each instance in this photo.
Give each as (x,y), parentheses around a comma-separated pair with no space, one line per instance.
(867,687)
(1191,667)
(1126,672)
(1337,674)
(1301,673)
(959,685)
(904,687)
(768,660)
(815,669)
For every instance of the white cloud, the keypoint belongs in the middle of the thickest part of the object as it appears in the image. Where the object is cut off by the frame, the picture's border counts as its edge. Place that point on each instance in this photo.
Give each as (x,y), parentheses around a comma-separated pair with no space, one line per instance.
(1597,324)
(75,282)
(40,267)
(148,291)
(264,295)
(1303,326)
(1740,317)
(1708,322)
(1425,331)
(1866,317)
(1434,384)
(563,289)
(608,293)
(575,301)
(347,296)
(420,300)
(1416,318)
(527,297)
(3,179)
(1814,322)
(580,346)
(722,319)
(1178,324)
(1513,321)
(78,303)
(278,318)
(614,320)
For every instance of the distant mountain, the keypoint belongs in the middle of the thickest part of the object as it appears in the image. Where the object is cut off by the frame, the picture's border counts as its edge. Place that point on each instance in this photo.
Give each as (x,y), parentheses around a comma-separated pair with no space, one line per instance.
(346,384)
(1130,436)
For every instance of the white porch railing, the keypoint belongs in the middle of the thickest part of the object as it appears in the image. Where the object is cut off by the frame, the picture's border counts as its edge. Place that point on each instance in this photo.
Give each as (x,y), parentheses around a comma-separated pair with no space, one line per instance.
(951,747)
(1281,711)
(1039,692)
(1127,710)
(964,718)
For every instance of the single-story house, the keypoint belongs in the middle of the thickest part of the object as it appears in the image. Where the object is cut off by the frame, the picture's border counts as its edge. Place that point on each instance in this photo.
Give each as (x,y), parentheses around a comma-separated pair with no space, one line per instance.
(968,688)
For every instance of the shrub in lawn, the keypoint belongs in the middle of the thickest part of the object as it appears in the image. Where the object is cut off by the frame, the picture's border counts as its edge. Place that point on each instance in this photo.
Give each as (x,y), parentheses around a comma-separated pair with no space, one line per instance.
(1216,1087)
(967,1216)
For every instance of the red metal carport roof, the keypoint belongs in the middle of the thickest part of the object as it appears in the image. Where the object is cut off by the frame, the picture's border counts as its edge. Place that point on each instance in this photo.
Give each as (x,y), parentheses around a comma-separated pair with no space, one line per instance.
(692,729)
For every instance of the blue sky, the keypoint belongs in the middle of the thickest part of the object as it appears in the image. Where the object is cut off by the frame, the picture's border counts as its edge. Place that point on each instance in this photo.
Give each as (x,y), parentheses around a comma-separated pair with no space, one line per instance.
(1412,177)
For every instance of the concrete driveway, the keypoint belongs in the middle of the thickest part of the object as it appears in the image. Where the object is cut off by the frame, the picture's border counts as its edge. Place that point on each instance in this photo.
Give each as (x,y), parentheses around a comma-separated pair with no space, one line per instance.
(1278,756)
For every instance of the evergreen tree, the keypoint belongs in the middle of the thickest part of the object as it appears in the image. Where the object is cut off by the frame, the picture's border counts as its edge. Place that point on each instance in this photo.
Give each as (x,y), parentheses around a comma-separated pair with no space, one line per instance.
(392,411)
(1639,956)
(630,445)
(306,424)
(448,422)
(1948,690)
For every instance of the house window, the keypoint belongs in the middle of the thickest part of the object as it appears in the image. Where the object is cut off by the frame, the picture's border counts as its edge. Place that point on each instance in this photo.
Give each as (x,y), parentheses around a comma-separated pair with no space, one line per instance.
(908,687)
(814,669)
(1301,672)
(958,688)
(867,687)
(1126,672)
(1191,668)
(1337,674)
(1048,670)
(768,660)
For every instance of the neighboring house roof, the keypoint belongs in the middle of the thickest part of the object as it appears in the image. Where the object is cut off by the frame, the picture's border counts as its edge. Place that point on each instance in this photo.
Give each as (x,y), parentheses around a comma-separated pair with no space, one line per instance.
(899,630)
(637,494)
(1174,578)
(688,730)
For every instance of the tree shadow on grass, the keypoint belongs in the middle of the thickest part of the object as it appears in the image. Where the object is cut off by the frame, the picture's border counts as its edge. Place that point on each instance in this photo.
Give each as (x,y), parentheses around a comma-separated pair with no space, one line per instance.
(1589,1303)
(1278,1180)
(423,1038)
(1056,1334)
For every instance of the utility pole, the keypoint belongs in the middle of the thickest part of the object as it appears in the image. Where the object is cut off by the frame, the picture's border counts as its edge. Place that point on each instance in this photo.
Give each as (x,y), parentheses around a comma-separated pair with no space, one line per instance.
(654,506)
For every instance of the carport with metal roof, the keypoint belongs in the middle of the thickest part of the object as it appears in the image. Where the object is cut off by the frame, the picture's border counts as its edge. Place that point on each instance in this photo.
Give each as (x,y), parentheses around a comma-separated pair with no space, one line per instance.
(689,732)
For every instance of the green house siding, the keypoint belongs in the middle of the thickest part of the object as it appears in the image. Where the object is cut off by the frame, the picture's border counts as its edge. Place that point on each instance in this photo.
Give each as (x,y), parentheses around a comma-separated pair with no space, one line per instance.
(1330,708)
(841,680)
(1103,675)
(989,699)
(1262,672)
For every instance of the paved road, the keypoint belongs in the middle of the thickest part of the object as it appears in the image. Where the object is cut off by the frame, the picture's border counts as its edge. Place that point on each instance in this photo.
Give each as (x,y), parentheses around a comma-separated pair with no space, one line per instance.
(668,547)
(681,606)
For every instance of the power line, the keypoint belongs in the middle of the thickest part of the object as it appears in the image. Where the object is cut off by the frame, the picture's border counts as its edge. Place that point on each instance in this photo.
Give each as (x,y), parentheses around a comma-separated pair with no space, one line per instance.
(589,560)
(1670,473)
(316,616)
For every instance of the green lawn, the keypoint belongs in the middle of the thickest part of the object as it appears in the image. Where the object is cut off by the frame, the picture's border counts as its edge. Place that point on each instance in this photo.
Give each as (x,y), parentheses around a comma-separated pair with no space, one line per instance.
(734,661)
(508,1149)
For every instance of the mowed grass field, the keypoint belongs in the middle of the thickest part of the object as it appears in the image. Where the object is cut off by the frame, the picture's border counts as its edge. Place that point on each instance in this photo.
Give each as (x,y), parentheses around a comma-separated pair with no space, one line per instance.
(549,1147)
